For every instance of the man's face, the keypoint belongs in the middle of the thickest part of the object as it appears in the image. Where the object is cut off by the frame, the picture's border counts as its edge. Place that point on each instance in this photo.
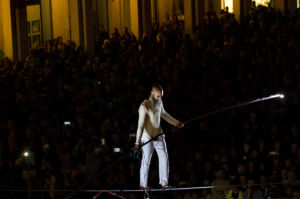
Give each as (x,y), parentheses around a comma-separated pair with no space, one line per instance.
(156,94)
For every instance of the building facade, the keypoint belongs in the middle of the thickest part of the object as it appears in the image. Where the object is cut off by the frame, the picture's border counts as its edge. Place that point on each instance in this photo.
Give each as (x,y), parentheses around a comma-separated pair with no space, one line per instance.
(25,23)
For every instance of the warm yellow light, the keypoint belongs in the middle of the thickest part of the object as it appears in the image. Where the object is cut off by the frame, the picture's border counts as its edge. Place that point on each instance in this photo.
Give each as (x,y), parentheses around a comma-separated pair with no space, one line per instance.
(6,42)
(227,3)
(262,2)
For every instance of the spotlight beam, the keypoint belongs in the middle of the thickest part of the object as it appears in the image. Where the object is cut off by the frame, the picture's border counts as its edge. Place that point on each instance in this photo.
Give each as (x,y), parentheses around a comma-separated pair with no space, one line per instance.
(278,95)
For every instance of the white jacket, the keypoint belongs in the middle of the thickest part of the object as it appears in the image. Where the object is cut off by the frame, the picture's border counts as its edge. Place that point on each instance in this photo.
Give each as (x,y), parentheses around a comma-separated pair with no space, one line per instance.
(149,120)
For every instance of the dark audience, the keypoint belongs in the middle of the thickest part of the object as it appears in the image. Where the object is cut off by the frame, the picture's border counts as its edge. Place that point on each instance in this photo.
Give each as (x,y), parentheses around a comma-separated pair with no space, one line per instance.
(68,120)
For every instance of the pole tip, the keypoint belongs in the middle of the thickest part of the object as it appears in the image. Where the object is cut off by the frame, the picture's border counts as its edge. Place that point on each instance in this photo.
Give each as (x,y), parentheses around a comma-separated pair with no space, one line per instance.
(281,96)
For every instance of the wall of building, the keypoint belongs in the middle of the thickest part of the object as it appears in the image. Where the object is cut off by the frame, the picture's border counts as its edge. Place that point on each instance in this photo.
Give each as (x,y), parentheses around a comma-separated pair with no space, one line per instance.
(1,32)
(279,4)
(114,14)
(126,13)
(46,19)
(74,7)
(237,9)
(88,27)
(134,17)
(6,42)
(164,7)
(60,19)
(102,13)
(292,4)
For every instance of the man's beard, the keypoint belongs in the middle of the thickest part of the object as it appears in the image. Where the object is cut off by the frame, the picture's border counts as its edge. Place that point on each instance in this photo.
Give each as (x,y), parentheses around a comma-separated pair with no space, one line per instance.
(154,102)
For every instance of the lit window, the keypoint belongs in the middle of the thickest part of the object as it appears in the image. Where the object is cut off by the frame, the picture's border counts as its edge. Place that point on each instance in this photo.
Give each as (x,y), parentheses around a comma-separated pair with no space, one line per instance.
(227,3)
(298,4)
(262,2)
(34,25)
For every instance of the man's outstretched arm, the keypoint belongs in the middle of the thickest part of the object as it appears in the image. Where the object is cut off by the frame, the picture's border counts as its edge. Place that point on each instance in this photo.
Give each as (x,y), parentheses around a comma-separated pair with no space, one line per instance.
(169,118)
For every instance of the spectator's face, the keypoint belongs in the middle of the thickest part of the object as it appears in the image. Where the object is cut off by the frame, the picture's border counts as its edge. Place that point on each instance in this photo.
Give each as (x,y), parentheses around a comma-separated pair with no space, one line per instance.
(287,163)
(284,173)
(221,174)
(251,183)
(251,165)
(198,157)
(243,180)
(294,148)
(263,179)
(296,195)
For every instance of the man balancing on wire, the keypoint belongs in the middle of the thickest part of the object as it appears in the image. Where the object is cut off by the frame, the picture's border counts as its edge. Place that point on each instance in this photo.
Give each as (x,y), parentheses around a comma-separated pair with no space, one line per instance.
(150,112)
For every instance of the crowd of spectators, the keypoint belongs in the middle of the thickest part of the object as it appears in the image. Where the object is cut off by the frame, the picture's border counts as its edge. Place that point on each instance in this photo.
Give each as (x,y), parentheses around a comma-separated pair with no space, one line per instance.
(64,114)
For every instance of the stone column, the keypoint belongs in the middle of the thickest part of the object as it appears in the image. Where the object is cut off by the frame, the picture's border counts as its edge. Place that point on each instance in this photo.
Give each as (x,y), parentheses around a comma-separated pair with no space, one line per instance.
(60,19)
(88,22)
(189,16)
(207,6)
(199,12)
(237,9)
(140,17)
(19,27)
(76,22)
(153,10)
(114,15)
(216,5)
(126,13)
(246,8)
(146,16)
(102,13)
(46,19)
(164,7)
(135,19)
(280,4)
(292,5)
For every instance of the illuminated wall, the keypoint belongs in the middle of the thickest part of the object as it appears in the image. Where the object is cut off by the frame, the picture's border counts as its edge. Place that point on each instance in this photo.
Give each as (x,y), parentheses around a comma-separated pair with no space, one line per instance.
(262,2)
(119,14)
(279,4)
(227,3)
(1,31)
(164,7)
(74,22)
(134,17)
(46,19)
(60,19)
(237,9)
(126,13)
(102,15)
(6,43)
(114,15)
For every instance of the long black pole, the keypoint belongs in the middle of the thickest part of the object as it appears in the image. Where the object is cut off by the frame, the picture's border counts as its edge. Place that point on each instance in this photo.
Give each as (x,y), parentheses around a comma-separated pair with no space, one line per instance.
(221,111)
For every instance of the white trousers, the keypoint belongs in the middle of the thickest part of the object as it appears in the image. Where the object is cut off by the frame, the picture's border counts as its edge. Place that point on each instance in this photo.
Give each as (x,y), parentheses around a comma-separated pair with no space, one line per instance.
(161,150)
